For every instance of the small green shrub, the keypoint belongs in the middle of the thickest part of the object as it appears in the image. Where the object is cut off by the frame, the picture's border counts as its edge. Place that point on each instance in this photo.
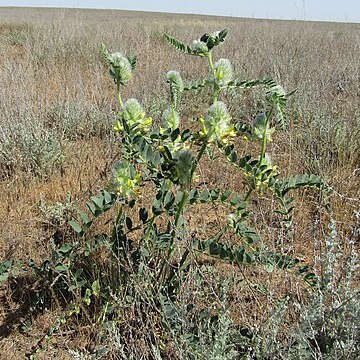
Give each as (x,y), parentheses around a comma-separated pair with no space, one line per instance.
(329,142)
(30,147)
(327,325)
(73,122)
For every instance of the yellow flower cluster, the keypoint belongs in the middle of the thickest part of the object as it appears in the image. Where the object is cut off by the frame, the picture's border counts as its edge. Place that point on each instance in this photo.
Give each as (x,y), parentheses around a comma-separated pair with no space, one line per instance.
(134,116)
(125,180)
(217,124)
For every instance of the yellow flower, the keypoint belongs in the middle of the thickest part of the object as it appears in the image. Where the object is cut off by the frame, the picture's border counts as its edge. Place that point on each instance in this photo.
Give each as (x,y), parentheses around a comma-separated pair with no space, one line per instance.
(217,124)
(125,180)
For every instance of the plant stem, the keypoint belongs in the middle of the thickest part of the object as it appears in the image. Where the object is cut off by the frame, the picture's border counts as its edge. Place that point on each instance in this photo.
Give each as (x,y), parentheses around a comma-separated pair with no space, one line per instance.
(248,194)
(216,90)
(197,160)
(117,220)
(119,95)
(211,63)
(264,139)
(180,210)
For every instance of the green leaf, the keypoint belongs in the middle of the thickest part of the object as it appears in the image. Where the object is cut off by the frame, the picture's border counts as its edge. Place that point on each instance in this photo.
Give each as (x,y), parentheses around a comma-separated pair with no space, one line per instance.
(225,195)
(132,61)
(143,215)
(204,196)
(179,197)
(76,226)
(193,196)
(87,297)
(95,287)
(4,276)
(61,268)
(186,49)
(129,223)
(186,135)
(214,39)
(98,201)
(85,218)
(65,249)
(195,85)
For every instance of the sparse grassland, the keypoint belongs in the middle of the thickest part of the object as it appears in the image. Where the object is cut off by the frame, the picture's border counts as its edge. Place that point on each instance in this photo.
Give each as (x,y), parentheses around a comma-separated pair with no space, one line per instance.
(57,148)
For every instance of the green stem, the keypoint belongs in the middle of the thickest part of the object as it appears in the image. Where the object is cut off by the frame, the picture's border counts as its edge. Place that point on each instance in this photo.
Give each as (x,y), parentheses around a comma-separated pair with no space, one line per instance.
(117,220)
(148,230)
(248,194)
(263,148)
(119,95)
(180,211)
(216,89)
(197,160)
(211,63)
(264,139)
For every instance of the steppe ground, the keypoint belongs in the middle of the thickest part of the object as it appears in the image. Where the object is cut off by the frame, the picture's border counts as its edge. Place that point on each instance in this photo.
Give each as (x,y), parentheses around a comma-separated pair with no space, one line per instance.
(55,87)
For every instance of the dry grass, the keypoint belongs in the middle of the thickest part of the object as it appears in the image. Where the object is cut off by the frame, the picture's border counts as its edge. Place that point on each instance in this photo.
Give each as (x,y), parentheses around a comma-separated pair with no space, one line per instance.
(50,57)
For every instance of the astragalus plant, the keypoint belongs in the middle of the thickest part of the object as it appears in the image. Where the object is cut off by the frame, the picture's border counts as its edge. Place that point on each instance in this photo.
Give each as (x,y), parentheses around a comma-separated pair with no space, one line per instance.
(152,246)
(127,281)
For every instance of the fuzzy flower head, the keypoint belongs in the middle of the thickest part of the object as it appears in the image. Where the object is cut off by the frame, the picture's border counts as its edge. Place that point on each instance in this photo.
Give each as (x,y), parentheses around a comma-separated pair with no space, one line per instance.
(176,87)
(125,180)
(174,77)
(134,116)
(183,164)
(171,119)
(120,67)
(223,72)
(200,48)
(217,124)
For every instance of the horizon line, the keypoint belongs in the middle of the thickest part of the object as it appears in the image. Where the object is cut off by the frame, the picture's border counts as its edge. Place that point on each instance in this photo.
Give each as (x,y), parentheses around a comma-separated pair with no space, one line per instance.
(179,13)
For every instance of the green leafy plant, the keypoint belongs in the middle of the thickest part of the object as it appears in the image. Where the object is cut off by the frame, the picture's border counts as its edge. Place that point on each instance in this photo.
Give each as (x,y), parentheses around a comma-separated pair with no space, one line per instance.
(154,240)
(151,246)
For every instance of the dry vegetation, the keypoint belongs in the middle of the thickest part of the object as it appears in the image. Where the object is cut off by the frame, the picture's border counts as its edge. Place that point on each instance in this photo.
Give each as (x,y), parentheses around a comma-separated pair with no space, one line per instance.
(57,107)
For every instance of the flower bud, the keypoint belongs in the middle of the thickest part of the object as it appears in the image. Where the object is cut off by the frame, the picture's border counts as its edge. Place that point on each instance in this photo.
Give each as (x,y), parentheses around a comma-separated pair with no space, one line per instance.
(223,72)
(134,115)
(199,48)
(217,123)
(174,77)
(171,119)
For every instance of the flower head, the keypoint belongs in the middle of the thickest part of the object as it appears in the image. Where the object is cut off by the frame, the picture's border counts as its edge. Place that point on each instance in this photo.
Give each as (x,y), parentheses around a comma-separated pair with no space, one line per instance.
(171,119)
(183,163)
(223,72)
(200,48)
(174,77)
(217,124)
(125,180)
(176,87)
(120,67)
(134,116)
